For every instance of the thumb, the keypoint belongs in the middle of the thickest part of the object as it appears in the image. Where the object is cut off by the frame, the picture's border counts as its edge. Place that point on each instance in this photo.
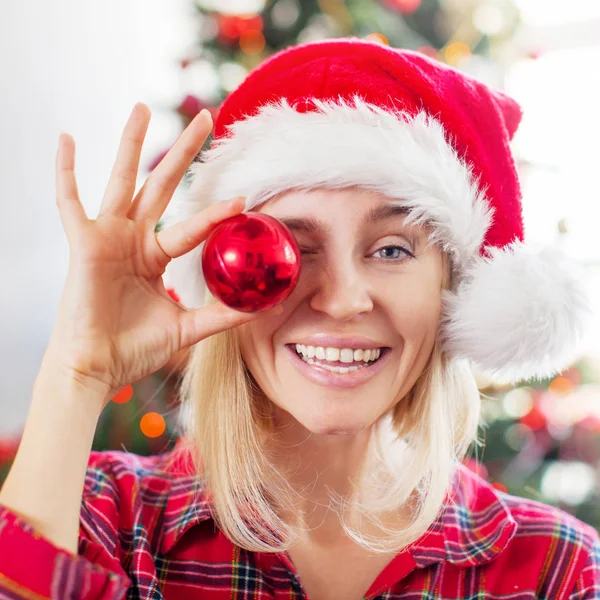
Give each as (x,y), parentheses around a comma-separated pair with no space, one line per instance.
(200,323)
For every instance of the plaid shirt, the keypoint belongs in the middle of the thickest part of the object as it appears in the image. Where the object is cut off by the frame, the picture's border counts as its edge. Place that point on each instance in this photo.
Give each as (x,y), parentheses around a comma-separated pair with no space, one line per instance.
(147,532)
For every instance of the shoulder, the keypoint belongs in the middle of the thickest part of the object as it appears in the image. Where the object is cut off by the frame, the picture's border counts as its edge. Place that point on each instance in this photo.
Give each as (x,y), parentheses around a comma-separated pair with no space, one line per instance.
(548,544)
(566,549)
(532,518)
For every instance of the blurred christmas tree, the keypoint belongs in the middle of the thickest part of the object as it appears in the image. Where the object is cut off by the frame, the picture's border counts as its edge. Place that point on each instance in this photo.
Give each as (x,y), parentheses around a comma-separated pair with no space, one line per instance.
(541,439)
(236,35)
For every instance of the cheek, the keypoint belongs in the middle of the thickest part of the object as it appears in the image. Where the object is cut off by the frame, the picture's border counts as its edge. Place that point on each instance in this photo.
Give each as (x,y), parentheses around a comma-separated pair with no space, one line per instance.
(256,341)
(416,307)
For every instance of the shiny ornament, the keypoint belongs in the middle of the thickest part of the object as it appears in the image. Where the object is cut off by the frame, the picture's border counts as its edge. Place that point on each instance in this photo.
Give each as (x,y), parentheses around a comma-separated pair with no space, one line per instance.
(251,262)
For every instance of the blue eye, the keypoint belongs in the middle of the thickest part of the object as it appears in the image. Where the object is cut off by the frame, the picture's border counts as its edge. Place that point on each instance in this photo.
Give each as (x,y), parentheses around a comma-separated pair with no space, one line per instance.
(395,253)
(391,253)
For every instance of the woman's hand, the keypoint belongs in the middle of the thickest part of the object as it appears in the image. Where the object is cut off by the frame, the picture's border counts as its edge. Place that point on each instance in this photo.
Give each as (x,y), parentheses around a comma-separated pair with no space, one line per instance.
(116,322)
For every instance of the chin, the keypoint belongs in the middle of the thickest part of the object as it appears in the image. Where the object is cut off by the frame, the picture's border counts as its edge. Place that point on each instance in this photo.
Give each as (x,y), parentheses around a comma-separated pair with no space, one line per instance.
(322,424)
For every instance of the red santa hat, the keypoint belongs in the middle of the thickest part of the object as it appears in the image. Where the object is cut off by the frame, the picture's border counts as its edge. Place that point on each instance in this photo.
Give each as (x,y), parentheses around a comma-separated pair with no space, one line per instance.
(349,112)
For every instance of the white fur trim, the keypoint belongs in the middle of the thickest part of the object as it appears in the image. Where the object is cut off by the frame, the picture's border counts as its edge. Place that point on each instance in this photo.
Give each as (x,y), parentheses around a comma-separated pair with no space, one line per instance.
(518,314)
(339,145)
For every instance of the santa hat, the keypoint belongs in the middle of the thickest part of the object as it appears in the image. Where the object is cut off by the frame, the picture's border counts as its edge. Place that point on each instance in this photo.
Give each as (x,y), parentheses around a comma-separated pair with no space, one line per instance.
(349,112)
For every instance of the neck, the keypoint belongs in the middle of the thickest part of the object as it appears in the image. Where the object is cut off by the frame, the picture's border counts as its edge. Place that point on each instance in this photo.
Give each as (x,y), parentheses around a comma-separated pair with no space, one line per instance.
(318,467)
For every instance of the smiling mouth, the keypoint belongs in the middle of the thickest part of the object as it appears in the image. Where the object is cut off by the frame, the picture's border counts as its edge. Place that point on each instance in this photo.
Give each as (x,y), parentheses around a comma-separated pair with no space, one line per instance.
(318,357)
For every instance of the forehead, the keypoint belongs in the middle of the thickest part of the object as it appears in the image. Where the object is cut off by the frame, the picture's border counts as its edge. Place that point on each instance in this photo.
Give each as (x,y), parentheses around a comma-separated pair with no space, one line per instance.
(319,211)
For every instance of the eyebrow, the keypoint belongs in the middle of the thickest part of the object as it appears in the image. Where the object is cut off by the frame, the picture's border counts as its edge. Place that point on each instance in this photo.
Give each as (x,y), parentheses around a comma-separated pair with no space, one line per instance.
(313,225)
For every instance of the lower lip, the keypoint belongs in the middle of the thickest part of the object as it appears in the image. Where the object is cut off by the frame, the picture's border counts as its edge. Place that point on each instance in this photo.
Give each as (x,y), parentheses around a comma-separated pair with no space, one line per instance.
(341,380)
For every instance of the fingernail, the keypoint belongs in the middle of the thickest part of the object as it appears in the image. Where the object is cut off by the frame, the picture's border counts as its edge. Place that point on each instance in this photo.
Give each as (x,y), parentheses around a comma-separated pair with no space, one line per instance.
(237,200)
(206,112)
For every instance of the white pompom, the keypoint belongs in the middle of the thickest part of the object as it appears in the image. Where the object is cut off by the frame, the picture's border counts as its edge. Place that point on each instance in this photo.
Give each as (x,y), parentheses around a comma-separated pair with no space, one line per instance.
(518,314)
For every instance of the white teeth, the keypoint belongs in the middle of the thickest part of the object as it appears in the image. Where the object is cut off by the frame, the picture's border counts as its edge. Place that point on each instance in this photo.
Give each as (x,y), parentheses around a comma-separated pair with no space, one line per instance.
(345,355)
(332,354)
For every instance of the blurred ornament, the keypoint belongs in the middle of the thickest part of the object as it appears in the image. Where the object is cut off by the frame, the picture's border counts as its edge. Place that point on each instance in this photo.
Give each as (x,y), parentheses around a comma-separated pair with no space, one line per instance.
(252,41)
(190,106)
(251,262)
(534,419)
(405,7)
(231,28)
(152,425)
(124,395)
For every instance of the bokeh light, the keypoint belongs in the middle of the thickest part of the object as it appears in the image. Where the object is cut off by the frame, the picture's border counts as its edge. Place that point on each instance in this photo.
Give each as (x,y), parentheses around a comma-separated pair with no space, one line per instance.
(568,482)
(252,41)
(517,403)
(378,38)
(456,52)
(153,425)
(124,395)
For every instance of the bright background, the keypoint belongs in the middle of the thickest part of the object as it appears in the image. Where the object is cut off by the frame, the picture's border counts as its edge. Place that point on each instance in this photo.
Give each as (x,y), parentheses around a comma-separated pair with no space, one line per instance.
(77,67)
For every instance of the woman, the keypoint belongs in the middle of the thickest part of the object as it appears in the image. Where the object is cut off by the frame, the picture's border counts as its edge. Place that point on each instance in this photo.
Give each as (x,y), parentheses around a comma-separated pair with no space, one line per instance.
(322,439)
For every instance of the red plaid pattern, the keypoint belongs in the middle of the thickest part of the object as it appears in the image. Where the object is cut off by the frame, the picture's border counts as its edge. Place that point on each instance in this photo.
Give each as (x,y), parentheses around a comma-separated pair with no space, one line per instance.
(147,532)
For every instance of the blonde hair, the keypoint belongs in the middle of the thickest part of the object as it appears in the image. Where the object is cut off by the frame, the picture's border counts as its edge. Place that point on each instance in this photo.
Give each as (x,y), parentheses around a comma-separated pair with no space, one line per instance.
(413,452)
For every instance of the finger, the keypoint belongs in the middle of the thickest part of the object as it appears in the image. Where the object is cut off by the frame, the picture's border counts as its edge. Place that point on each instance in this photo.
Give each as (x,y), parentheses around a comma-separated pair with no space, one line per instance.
(200,323)
(182,237)
(121,185)
(72,213)
(155,194)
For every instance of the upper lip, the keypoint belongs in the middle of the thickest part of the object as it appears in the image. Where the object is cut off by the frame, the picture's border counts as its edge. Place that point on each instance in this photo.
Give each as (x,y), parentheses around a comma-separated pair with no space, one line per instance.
(330,341)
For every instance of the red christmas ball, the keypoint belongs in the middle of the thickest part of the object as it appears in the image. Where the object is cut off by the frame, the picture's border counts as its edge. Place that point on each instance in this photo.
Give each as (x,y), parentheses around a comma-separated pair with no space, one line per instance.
(251,262)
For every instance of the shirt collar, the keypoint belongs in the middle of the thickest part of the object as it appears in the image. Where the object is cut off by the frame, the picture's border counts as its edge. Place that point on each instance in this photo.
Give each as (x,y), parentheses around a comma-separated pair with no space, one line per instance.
(474,526)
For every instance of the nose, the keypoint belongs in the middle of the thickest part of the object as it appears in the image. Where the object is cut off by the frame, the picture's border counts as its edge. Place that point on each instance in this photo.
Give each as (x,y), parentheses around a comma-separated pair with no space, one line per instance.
(341,291)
